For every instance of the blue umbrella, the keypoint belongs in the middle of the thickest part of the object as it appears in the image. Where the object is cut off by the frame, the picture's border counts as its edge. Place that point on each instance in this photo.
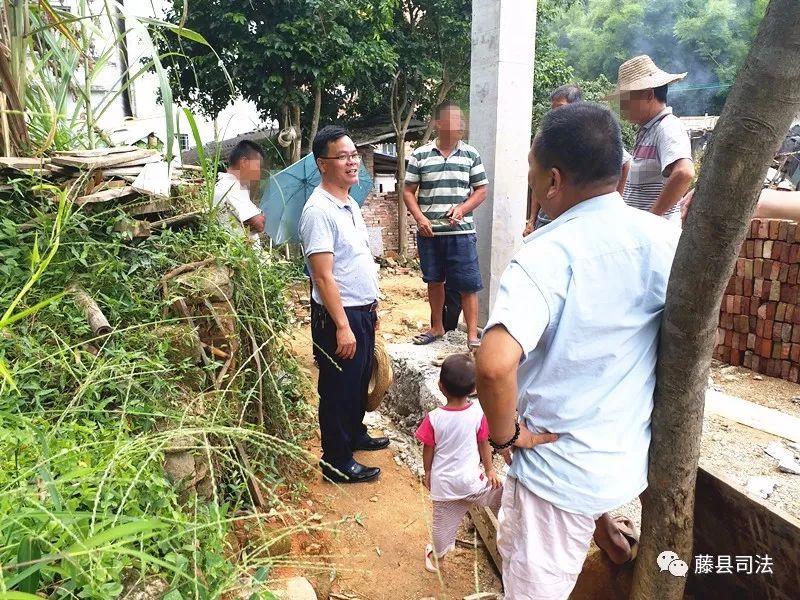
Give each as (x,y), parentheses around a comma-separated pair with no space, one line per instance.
(288,190)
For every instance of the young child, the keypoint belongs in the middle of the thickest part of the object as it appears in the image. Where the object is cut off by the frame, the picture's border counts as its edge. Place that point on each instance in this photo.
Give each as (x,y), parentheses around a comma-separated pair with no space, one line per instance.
(456,440)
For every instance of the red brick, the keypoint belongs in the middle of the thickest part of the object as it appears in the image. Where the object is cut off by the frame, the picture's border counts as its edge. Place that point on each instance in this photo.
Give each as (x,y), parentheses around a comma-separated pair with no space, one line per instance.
(754,306)
(739,268)
(785,248)
(766,348)
(768,326)
(758,267)
(775,270)
(783,275)
(737,305)
(774,369)
(791,236)
(793,295)
(793,270)
(726,320)
(751,323)
(777,249)
(760,327)
(783,230)
(736,358)
(763,230)
(754,224)
(767,252)
(794,254)
(794,374)
(747,287)
(735,340)
(748,268)
(780,312)
(776,331)
(786,332)
(742,345)
(728,304)
(748,249)
(751,341)
(776,350)
(774,226)
(785,366)
(738,285)
(747,362)
(758,249)
(772,309)
(741,324)
(758,287)
(775,291)
(794,353)
(796,335)
(790,308)
(728,341)
(756,362)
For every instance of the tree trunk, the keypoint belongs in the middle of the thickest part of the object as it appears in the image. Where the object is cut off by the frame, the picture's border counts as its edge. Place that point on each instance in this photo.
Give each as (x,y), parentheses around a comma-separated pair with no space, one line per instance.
(315,116)
(284,119)
(297,145)
(757,114)
(402,213)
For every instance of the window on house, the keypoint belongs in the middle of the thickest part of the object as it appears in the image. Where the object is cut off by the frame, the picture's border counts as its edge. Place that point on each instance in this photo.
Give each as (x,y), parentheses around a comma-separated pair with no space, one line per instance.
(183,141)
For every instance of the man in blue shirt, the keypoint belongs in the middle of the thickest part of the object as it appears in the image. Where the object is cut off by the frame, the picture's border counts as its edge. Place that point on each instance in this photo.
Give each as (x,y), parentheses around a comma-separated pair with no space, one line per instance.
(571,345)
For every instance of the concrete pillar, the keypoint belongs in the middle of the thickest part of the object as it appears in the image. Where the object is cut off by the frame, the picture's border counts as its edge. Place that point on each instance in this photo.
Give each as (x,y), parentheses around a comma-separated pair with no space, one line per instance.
(501,105)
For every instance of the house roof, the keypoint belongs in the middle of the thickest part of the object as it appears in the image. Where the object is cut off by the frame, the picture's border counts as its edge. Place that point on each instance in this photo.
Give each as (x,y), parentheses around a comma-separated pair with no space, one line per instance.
(225,146)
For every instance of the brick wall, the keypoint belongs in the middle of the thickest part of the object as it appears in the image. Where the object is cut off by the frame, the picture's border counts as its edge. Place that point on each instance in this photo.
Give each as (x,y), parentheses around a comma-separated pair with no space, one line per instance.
(380,210)
(759,325)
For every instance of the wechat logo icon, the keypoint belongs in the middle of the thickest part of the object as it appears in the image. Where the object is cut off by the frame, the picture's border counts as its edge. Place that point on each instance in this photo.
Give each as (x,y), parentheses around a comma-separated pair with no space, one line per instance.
(669,561)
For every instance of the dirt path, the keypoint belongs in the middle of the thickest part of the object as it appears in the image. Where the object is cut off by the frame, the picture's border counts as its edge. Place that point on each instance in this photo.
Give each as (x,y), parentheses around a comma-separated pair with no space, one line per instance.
(375,549)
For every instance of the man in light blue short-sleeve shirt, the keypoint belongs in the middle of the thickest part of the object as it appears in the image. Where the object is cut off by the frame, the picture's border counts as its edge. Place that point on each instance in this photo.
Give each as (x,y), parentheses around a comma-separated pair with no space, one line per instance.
(571,344)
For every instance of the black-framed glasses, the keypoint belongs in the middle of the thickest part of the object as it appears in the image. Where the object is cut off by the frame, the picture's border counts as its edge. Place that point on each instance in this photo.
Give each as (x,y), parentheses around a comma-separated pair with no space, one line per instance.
(355,157)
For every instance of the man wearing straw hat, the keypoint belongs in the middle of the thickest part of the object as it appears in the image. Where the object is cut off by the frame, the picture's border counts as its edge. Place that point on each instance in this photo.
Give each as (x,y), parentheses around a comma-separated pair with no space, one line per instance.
(661,169)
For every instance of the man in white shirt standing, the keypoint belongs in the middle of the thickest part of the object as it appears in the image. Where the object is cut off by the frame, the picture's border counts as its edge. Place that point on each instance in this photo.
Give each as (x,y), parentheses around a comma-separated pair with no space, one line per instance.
(232,191)
(344,307)
(571,345)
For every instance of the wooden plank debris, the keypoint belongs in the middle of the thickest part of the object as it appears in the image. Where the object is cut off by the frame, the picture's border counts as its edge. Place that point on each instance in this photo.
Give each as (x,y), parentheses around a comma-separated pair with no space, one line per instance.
(106,196)
(96,152)
(20,163)
(99,162)
(154,180)
(138,162)
(122,172)
(486,525)
(147,208)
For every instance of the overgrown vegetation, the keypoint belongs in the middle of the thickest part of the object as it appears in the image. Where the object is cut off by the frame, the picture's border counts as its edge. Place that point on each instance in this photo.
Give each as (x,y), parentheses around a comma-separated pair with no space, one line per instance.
(85,423)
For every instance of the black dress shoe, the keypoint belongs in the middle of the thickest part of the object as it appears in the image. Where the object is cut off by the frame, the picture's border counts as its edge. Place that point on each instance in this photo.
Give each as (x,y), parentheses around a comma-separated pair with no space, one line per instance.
(371,443)
(355,473)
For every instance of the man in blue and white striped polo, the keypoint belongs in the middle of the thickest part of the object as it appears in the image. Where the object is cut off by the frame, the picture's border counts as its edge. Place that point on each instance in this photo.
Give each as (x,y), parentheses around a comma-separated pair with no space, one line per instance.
(451,181)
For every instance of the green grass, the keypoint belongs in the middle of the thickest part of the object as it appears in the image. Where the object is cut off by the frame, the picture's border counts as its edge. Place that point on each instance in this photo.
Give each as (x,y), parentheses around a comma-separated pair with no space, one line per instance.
(85,424)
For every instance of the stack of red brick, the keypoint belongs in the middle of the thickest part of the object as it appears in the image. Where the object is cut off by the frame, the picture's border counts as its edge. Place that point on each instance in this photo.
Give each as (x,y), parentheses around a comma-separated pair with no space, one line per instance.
(759,325)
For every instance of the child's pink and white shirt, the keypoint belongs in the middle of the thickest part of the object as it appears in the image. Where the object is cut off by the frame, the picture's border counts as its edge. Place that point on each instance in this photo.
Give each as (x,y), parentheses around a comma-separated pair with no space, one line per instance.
(454,433)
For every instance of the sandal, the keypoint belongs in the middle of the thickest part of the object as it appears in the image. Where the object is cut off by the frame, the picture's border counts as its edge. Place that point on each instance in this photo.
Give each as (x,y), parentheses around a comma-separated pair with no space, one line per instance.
(423,339)
(429,566)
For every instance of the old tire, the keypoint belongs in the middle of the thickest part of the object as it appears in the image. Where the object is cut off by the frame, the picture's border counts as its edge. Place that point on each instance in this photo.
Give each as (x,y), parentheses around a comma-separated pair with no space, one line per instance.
(381,378)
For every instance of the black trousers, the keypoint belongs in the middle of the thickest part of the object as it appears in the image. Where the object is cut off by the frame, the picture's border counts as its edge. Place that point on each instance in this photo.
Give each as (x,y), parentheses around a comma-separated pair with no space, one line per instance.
(452,308)
(343,383)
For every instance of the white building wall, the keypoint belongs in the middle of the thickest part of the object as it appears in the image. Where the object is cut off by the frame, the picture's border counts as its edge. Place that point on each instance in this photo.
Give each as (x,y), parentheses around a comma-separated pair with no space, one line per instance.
(238,117)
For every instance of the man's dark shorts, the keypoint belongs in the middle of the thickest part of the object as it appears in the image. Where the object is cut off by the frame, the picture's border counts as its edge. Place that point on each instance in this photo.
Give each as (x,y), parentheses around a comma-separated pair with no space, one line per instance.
(451,258)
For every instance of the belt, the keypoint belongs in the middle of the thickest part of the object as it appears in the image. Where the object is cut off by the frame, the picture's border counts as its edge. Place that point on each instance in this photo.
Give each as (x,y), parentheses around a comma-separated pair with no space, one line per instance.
(373,307)
(365,308)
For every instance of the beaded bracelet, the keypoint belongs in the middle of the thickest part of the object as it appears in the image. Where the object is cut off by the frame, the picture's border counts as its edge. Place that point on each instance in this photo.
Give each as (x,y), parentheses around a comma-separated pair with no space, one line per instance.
(499,447)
